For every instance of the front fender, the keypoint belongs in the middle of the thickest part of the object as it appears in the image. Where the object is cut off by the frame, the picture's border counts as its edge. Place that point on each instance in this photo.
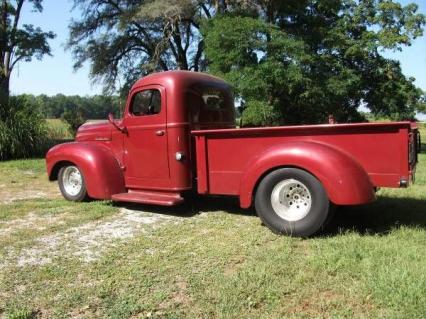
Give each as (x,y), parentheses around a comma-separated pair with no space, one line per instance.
(344,179)
(101,171)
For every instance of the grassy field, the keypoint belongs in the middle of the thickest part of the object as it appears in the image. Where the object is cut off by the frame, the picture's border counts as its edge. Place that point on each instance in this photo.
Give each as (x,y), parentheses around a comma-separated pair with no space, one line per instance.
(96,259)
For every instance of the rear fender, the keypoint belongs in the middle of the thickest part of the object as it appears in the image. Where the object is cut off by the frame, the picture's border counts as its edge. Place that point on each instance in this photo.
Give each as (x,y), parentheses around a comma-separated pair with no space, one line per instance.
(344,179)
(101,171)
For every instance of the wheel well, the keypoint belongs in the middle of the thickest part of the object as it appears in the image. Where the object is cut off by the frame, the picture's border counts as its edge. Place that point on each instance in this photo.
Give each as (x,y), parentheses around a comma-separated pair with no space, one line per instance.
(271,170)
(55,170)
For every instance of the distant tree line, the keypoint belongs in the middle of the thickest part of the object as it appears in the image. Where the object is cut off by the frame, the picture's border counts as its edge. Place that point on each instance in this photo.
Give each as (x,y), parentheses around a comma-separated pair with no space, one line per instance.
(92,107)
(74,110)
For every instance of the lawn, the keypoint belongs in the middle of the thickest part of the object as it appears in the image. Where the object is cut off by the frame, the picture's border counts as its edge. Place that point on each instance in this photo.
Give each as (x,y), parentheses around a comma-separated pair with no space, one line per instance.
(212,259)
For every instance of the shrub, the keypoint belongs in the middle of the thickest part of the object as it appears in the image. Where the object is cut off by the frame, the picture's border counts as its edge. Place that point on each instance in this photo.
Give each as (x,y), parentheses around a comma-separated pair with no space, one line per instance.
(23,133)
(74,118)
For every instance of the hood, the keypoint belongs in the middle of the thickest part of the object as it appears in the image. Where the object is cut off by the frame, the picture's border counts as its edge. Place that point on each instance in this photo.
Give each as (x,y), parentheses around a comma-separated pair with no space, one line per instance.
(95,131)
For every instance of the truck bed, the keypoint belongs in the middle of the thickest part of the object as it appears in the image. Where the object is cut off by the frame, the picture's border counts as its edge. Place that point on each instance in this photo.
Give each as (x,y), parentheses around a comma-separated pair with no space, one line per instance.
(383,150)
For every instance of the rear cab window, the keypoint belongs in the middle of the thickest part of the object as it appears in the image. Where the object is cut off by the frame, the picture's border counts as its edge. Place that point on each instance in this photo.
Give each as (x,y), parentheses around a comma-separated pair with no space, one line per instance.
(211,107)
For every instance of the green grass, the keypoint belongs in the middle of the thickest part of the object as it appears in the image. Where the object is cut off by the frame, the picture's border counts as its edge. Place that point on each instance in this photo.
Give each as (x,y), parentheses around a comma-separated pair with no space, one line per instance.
(223,263)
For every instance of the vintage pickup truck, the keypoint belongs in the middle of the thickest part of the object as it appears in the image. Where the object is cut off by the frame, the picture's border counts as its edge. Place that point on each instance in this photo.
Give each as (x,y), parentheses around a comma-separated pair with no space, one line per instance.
(178,135)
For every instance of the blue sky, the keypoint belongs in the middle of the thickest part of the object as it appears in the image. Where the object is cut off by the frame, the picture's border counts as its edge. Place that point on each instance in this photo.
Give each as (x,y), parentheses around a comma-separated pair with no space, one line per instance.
(55,74)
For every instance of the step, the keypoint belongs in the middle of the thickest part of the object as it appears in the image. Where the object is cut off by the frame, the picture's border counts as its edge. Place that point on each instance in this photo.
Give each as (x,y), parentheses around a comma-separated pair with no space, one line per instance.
(149,197)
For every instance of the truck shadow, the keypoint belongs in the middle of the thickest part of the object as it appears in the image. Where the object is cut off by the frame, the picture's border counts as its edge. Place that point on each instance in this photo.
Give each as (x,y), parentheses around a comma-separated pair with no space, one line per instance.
(195,206)
(380,217)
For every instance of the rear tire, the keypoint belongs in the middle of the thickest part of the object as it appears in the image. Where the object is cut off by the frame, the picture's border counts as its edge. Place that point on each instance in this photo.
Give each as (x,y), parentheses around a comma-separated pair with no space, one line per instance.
(293,202)
(72,184)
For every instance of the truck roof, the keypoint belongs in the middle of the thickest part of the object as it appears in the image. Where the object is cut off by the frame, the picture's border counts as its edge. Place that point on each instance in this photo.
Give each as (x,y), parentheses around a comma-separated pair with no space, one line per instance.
(183,78)
(179,87)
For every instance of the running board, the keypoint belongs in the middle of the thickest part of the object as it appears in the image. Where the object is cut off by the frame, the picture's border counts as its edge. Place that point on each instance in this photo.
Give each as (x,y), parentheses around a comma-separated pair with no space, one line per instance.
(149,197)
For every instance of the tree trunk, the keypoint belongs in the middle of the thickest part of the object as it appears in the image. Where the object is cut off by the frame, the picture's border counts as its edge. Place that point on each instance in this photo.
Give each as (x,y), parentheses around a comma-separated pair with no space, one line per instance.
(4,96)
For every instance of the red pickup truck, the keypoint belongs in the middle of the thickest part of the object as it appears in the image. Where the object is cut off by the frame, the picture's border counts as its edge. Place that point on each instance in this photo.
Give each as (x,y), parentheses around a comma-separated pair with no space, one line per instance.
(178,135)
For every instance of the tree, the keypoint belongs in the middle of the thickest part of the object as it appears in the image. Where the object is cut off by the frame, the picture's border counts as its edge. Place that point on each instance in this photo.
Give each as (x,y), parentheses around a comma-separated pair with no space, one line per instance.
(125,39)
(301,61)
(422,107)
(18,43)
(294,61)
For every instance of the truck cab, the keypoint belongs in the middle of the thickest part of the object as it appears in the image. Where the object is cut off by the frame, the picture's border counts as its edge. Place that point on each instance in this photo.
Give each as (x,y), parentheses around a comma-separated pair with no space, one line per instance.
(151,143)
(160,113)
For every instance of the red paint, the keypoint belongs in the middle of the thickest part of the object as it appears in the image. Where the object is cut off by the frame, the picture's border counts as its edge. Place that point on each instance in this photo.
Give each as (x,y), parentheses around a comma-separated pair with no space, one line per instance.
(349,159)
(100,169)
(150,197)
(145,152)
(139,164)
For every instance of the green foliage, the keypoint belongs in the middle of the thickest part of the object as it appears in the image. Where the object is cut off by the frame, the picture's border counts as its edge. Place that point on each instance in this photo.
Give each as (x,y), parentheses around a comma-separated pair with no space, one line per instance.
(422,105)
(309,59)
(93,107)
(303,60)
(74,118)
(23,133)
(259,114)
(75,110)
(58,130)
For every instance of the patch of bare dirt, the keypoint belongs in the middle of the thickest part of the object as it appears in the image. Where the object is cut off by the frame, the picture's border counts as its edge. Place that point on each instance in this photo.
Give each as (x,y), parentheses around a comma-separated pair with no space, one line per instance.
(89,242)
(181,295)
(234,265)
(22,191)
(30,221)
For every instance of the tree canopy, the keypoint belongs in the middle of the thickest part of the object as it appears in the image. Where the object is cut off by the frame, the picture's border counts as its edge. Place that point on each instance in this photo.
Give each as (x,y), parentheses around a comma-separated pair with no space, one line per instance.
(125,39)
(305,60)
(290,62)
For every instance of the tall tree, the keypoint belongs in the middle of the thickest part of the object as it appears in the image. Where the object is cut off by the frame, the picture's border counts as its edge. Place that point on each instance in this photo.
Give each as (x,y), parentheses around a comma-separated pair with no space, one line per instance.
(18,42)
(299,61)
(125,39)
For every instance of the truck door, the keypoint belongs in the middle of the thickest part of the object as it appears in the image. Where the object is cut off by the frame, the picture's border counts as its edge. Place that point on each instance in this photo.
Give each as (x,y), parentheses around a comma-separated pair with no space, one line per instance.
(145,144)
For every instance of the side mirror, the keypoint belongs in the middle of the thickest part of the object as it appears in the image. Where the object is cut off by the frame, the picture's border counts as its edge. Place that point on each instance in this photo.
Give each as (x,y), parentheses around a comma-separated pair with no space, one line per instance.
(112,121)
(111,118)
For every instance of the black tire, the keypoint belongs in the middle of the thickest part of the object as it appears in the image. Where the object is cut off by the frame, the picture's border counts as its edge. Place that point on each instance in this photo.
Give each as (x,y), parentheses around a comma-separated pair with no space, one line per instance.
(329,225)
(316,200)
(81,195)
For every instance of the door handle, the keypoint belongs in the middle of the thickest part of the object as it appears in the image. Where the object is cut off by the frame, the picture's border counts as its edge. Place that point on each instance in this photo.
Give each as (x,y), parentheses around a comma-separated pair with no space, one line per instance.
(159,133)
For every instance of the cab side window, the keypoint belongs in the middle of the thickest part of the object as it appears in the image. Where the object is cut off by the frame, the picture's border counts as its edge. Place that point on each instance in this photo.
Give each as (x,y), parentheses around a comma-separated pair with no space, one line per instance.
(147,102)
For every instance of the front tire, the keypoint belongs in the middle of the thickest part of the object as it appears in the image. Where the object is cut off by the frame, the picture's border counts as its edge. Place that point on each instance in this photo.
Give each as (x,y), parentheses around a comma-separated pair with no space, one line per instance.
(293,202)
(72,184)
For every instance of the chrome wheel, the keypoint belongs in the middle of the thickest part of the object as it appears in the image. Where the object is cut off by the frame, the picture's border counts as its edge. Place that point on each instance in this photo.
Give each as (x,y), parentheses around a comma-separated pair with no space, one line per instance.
(291,200)
(72,180)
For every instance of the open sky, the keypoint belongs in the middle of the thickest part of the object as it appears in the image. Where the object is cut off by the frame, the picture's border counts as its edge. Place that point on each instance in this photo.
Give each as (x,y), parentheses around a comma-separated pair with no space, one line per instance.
(55,74)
